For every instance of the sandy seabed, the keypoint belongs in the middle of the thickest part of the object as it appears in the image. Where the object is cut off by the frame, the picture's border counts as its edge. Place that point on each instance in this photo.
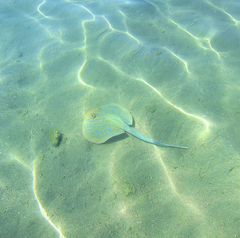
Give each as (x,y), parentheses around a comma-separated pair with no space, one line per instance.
(174,65)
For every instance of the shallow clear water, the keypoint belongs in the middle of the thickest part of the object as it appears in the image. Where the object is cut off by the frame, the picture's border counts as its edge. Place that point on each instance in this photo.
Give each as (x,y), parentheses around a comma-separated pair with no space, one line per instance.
(173,64)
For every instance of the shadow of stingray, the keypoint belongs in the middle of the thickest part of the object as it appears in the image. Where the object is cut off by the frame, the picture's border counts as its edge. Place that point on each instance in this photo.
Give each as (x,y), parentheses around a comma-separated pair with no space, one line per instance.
(117,138)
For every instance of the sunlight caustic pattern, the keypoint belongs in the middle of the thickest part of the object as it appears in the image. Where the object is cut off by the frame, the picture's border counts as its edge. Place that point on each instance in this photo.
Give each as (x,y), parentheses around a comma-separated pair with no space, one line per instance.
(205,122)
(33,169)
(85,34)
(127,32)
(123,208)
(204,43)
(16,158)
(202,120)
(185,200)
(119,31)
(43,211)
(41,12)
(233,19)
(112,29)
(126,206)
(84,49)
(184,62)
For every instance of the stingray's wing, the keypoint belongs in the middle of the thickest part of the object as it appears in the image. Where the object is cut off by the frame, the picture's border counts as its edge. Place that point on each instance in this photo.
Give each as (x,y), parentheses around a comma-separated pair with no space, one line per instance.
(99,130)
(118,111)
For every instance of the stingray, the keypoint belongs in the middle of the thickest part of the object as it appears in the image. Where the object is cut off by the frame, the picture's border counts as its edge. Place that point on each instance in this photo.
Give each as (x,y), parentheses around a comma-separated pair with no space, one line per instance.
(110,120)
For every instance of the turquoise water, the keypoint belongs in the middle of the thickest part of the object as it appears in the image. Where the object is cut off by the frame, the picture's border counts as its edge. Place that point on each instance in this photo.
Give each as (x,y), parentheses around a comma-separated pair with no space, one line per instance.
(173,64)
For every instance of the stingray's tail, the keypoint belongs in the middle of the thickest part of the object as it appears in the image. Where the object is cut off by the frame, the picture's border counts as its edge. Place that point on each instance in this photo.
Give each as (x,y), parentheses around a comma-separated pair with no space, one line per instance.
(140,136)
(168,145)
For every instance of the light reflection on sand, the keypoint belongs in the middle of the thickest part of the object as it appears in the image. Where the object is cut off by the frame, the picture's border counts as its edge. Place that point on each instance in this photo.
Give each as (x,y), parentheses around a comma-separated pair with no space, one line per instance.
(43,211)
(233,19)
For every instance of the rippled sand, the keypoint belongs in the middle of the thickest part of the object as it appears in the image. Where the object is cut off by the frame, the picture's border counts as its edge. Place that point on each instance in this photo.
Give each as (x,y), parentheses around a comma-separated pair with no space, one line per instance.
(174,64)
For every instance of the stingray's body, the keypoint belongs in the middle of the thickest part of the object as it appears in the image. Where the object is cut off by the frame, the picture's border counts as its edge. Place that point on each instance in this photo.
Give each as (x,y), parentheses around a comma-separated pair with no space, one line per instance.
(111,120)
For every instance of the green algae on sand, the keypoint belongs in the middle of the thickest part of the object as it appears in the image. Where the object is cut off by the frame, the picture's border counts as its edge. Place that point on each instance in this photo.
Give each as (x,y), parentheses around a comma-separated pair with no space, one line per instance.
(55,137)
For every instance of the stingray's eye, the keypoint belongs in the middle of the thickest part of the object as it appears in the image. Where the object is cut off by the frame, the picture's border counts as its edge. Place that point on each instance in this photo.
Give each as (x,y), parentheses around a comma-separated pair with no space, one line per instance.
(90,115)
(93,115)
